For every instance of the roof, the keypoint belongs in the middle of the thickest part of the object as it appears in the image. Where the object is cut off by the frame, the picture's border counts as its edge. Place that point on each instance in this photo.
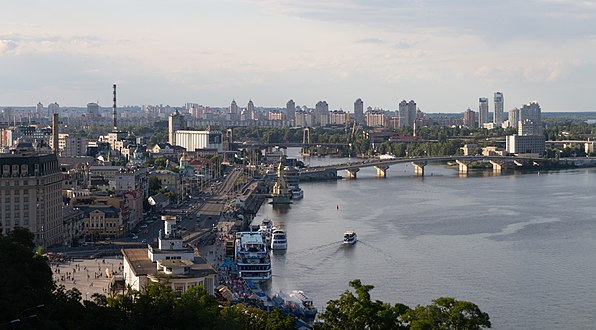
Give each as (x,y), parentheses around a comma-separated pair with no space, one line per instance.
(251,238)
(139,261)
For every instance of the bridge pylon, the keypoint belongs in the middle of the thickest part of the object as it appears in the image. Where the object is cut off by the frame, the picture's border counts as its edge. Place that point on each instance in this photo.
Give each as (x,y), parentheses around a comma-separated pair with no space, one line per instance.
(352,172)
(463,166)
(382,171)
(497,166)
(419,168)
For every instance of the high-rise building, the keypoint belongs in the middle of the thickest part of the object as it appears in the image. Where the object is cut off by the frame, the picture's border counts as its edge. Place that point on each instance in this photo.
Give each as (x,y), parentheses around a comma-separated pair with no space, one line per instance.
(530,119)
(482,111)
(175,122)
(321,113)
(470,118)
(53,108)
(407,113)
(233,110)
(499,105)
(93,112)
(513,118)
(359,112)
(39,110)
(250,111)
(290,110)
(31,195)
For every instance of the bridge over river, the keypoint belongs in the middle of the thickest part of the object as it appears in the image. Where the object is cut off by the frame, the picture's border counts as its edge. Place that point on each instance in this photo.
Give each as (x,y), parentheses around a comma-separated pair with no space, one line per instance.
(382,165)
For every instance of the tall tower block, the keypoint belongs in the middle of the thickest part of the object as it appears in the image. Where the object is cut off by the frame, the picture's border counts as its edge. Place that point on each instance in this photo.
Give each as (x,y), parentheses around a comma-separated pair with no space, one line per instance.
(114,122)
(55,127)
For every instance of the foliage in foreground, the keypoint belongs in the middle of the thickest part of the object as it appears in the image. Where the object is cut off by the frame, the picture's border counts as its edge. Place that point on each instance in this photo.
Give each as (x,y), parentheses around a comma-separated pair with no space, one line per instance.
(29,295)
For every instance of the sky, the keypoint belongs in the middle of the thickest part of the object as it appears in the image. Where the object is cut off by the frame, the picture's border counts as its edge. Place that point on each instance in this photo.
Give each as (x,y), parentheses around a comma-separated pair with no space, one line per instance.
(442,54)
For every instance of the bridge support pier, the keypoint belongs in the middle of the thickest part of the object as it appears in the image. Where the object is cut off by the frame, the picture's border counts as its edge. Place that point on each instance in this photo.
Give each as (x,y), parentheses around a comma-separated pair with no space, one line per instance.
(463,166)
(497,166)
(419,168)
(382,171)
(352,172)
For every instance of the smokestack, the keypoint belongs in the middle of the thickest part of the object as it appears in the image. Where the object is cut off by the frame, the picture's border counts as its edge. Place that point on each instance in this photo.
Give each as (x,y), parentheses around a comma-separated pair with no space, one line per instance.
(114,111)
(55,124)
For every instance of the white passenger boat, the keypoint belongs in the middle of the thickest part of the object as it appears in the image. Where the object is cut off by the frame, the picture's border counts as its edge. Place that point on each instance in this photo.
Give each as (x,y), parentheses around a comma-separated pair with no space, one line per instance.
(297,193)
(279,240)
(296,303)
(350,237)
(252,257)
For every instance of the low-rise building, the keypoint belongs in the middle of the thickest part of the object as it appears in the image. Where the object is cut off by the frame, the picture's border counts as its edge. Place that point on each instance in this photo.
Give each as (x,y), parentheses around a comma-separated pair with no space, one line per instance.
(168,262)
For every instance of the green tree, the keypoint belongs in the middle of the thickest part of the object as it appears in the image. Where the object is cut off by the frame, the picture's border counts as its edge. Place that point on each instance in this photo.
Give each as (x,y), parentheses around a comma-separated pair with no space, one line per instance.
(360,312)
(447,314)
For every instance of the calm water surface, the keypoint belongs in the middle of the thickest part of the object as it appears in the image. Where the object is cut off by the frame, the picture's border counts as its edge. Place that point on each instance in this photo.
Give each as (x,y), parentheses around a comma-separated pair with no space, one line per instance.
(522,246)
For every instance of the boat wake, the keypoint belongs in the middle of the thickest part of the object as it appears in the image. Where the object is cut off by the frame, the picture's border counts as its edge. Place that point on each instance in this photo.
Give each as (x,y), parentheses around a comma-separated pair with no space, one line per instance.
(380,251)
(313,249)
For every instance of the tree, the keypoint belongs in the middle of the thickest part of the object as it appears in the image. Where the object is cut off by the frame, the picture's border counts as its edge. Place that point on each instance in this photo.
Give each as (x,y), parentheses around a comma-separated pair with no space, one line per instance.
(360,312)
(447,313)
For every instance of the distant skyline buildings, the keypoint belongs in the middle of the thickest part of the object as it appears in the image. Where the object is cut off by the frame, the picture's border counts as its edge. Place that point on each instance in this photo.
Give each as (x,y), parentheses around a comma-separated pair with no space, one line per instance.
(499,109)
(482,111)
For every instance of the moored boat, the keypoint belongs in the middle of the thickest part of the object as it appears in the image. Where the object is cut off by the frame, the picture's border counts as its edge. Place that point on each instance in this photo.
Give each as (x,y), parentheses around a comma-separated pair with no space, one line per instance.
(252,257)
(297,193)
(350,237)
(279,240)
(297,303)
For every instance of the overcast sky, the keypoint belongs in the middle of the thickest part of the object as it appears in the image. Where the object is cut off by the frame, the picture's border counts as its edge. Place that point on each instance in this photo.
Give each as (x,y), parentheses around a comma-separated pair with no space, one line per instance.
(442,54)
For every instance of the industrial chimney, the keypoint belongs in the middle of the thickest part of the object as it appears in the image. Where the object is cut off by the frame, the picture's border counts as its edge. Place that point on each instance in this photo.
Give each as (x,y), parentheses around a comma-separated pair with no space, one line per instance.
(114,112)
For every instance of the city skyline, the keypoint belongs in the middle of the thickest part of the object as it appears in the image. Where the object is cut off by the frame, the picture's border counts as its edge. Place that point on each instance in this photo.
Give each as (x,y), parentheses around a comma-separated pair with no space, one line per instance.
(443,56)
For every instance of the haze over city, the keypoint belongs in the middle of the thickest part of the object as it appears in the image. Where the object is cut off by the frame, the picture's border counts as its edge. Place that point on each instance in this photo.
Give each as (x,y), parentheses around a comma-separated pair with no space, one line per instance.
(443,55)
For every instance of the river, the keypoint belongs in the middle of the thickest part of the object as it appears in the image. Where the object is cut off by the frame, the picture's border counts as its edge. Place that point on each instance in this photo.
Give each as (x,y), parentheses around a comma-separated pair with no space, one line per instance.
(520,246)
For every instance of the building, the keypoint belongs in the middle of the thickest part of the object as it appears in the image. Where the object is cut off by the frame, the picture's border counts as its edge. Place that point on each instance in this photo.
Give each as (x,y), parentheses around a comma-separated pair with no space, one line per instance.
(39,110)
(482,111)
(72,146)
(169,262)
(513,118)
(290,110)
(233,113)
(376,118)
(31,196)
(175,122)
(407,113)
(93,112)
(359,112)
(304,119)
(530,119)
(53,108)
(321,113)
(499,105)
(102,221)
(525,144)
(339,118)
(193,140)
(470,118)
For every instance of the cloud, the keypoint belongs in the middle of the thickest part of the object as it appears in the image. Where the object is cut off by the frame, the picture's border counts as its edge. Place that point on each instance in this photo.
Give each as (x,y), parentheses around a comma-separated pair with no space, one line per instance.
(371,41)
(7,46)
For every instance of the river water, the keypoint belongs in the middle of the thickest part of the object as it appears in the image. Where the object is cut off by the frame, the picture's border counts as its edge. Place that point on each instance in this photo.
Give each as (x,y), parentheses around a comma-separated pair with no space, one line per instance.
(520,246)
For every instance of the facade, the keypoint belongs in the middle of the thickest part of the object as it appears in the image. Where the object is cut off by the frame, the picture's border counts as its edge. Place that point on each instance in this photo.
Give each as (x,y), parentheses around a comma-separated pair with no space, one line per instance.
(72,146)
(250,111)
(193,140)
(102,221)
(499,105)
(376,118)
(359,112)
(175,122)
(233,112)
(407,113)
(31,196)
(525,144)
(514,118)
(470,118)
(339,117)
(169,261)
(530,119)
(321,113)
(482,111)
(290,110)
(304,119)
(53,108)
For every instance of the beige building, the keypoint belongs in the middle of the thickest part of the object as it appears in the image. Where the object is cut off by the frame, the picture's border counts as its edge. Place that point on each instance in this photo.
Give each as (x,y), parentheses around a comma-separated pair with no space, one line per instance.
(31,196)
(169,262)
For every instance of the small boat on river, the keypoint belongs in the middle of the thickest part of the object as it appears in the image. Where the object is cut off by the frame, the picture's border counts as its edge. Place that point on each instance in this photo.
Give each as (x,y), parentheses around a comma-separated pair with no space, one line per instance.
(350,237)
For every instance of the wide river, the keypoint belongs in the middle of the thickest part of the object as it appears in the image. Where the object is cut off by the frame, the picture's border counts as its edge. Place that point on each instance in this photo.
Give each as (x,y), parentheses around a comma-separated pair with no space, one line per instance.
(520,246)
